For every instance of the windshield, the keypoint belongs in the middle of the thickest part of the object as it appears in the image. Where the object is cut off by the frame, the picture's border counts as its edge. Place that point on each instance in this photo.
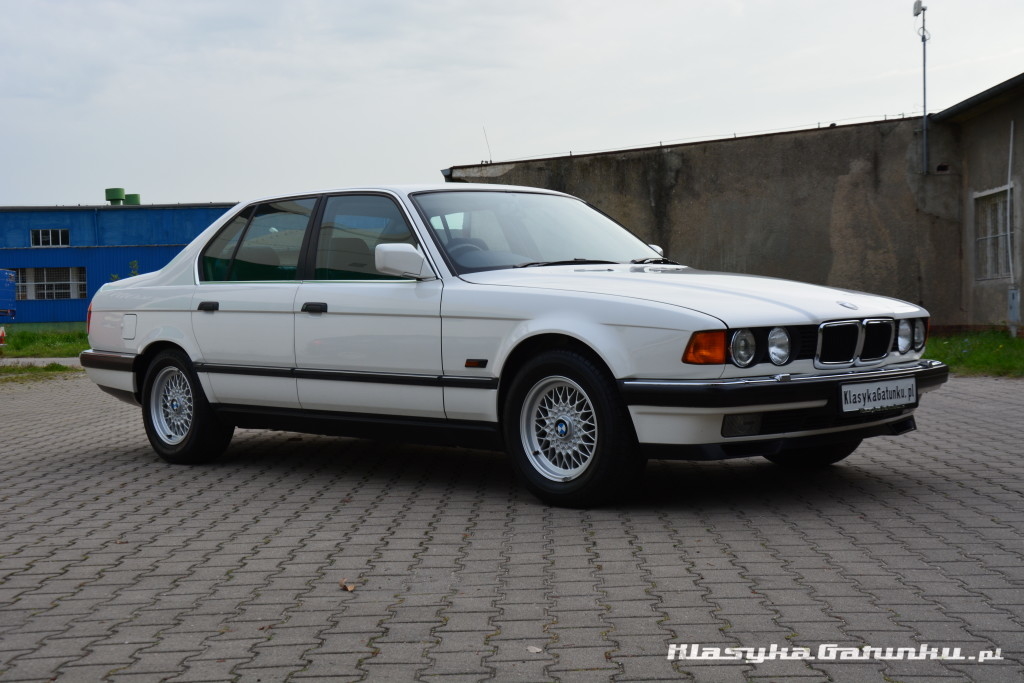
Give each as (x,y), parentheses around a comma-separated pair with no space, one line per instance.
(482,230)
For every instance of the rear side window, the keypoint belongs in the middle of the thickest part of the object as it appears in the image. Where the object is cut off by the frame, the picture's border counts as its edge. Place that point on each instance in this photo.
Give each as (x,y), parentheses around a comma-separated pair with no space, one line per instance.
(351,229)
(216,259)
(260,244)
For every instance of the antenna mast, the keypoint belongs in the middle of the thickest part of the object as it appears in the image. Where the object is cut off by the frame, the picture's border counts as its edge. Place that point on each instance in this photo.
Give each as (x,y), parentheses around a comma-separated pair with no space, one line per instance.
(919,10)
(490,157)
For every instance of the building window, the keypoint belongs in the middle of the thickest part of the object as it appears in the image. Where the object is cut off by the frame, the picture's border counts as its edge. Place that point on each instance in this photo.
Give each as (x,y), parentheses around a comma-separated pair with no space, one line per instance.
(50,283)
(51,238)
(992,235)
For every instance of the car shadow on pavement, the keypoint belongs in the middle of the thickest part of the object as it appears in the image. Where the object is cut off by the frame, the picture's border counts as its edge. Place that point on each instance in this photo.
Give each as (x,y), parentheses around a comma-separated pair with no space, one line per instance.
(751,482)
(665,485)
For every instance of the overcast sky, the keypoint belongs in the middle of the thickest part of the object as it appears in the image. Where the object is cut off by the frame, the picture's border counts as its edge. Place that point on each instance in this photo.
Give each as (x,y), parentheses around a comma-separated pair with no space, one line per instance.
(225,100)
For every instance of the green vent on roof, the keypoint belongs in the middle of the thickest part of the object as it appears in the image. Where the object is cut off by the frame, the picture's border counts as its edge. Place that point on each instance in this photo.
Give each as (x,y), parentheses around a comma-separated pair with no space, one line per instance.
(115,195)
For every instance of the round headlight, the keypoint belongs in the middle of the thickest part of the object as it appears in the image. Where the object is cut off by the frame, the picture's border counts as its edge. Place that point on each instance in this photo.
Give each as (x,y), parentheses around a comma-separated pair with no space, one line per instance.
(779,346)
(905,336)
(919,334)
(743,347)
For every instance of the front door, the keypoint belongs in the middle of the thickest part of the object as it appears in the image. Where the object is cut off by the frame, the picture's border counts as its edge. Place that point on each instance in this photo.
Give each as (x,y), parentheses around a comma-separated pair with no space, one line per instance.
(366,342)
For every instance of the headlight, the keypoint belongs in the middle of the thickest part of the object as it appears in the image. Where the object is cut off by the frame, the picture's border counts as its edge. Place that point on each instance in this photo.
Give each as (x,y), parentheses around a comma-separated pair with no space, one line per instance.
(779,346)
(743,347)
(905,336)
(920,333)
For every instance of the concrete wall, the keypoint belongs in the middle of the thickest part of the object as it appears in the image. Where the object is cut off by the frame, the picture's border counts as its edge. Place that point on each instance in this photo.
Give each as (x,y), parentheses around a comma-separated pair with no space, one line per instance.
(985,162)
(844,206)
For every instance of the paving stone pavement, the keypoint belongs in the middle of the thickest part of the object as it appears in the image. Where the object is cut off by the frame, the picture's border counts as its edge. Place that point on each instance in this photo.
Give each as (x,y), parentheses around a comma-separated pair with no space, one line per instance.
(115,566)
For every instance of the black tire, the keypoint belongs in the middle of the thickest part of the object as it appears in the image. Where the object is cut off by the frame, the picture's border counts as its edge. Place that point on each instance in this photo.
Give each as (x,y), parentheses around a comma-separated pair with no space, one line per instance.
(179,422)
(813,458)
(568,431)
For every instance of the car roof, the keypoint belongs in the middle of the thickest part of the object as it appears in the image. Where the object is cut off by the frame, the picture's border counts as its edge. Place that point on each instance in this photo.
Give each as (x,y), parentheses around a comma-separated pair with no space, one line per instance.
(409,189)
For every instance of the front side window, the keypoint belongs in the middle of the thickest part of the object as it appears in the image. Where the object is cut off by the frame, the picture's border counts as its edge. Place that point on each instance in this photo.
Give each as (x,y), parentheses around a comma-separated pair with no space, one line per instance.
(351,228)
(485,230)
(262,243)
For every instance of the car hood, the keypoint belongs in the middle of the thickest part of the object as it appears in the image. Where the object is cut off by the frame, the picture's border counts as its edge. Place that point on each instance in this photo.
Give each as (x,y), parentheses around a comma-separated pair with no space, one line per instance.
(737,300)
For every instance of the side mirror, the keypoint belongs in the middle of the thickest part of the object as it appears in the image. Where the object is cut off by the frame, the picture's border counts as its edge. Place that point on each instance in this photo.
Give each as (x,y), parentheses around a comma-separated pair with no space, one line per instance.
(403,260)
(655,247)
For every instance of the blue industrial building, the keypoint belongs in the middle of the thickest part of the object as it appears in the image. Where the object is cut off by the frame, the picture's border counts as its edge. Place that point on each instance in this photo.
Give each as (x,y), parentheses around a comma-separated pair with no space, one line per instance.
(62,255)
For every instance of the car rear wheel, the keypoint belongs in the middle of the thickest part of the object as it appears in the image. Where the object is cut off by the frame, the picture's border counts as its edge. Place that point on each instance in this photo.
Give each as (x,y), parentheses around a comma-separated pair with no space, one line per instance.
(179,422)
(810,458)
(568,431)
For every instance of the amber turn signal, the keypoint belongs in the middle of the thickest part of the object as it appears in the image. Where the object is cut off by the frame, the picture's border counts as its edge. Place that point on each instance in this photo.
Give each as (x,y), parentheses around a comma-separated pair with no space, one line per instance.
(706,348)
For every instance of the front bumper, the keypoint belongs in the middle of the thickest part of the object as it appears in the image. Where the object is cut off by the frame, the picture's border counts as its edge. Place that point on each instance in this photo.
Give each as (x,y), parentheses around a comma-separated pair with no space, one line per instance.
(782,388)
(785,408)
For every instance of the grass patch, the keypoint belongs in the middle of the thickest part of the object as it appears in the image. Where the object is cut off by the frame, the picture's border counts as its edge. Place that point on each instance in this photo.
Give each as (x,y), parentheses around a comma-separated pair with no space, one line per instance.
(44,327)
(22,373)
(979,353)
(25,342)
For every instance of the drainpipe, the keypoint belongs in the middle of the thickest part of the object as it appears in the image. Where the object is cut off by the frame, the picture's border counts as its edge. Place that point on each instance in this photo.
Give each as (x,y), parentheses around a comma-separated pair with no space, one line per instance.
(1013,294)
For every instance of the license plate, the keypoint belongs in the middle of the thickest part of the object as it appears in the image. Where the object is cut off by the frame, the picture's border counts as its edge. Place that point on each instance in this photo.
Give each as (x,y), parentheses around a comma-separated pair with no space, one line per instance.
(870,396)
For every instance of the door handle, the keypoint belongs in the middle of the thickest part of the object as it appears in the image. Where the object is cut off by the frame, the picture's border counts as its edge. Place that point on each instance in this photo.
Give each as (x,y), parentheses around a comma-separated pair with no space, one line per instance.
(209,305)
(314,307)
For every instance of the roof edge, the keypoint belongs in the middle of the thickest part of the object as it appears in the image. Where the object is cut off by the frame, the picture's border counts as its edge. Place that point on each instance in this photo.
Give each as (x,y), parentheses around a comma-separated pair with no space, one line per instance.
(991,97)
(448,173)
(126,207)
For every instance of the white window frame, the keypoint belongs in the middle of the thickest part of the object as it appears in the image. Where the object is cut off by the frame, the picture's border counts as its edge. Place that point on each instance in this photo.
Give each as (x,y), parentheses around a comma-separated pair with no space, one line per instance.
(993,233)
(51,283)
(44,237)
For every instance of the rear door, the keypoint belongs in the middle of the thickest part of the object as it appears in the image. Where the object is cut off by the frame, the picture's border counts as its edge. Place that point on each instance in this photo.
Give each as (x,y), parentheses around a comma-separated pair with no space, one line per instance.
(242,311)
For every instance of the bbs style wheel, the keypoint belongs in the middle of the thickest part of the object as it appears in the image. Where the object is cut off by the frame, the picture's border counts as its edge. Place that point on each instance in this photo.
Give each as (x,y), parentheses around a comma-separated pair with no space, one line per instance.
(568,431)
(179,422)
(559,428)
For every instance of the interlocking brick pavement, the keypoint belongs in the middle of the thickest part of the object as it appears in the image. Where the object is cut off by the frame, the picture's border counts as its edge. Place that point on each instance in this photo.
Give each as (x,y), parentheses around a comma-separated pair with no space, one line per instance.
(115,566)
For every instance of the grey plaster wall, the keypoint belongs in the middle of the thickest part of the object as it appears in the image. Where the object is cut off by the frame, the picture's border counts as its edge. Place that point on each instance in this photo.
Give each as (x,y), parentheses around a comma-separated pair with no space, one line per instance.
(985,140)
(845,206)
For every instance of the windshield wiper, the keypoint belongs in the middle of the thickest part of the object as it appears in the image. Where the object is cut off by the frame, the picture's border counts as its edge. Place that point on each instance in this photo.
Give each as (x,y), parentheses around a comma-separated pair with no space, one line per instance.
(654,259)
(570,262)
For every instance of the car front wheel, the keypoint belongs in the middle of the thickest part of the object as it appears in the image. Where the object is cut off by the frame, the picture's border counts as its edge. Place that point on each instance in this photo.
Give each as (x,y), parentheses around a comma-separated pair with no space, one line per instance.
(568,431)
(812,458)
(179,422)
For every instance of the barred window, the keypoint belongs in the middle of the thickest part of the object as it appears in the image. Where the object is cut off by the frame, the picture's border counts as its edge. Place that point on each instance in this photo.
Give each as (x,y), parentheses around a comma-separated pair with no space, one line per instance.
(991,235)
(51,238)
(50,283)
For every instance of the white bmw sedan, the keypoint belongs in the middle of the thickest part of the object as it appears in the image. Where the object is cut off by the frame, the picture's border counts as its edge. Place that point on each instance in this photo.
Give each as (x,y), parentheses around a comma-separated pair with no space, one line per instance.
(498,317)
